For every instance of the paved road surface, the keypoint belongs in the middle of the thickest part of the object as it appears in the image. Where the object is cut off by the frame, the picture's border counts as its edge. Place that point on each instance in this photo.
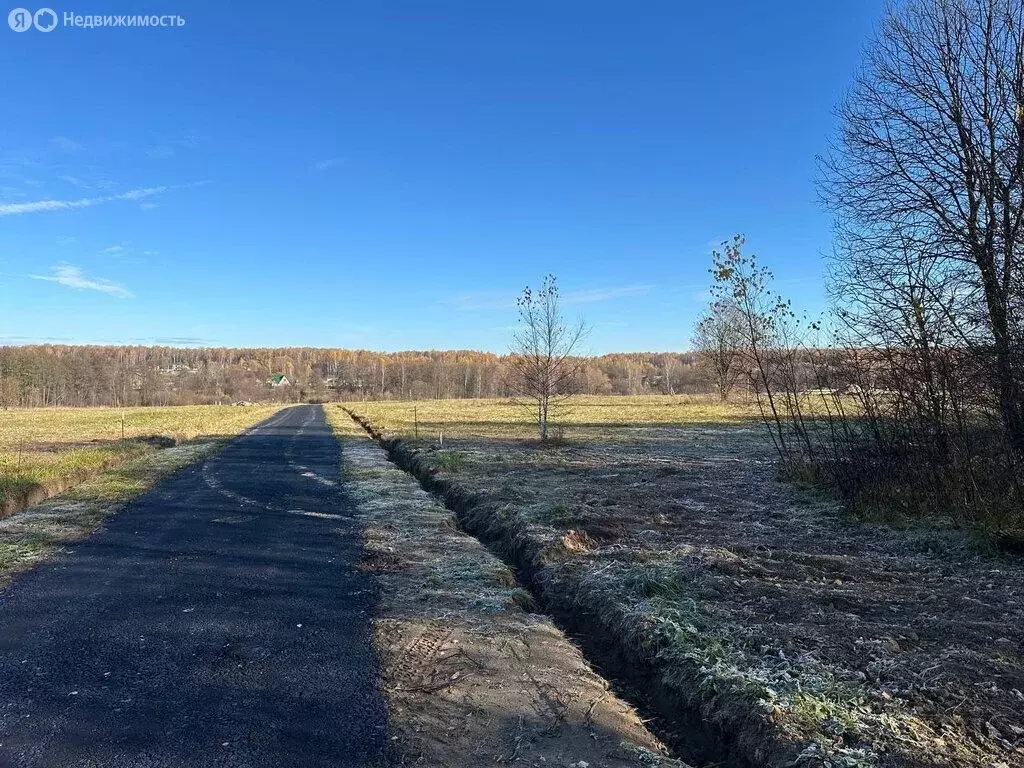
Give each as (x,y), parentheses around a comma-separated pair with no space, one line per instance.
(219,620)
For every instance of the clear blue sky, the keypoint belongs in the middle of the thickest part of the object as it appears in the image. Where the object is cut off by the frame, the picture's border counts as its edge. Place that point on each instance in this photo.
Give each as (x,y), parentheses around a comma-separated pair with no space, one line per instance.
(389,174)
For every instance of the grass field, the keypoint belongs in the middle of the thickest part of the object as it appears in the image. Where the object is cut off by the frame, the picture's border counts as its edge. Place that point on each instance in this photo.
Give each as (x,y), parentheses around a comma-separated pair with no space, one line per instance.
(60,445)
(584,416)
(659,526)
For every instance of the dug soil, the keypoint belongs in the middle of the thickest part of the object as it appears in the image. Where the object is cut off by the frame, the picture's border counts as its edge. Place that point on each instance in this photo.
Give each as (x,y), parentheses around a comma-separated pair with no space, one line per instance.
(793,636)
(472,676)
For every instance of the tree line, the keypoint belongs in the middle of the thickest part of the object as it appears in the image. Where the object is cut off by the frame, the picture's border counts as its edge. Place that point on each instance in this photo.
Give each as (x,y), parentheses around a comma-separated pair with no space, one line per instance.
(65,375)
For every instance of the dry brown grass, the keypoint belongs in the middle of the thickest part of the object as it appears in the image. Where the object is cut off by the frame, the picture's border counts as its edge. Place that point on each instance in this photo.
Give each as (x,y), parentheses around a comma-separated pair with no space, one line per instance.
(82,447)
(34,534)
(582,417)
(47,445)
(804,637)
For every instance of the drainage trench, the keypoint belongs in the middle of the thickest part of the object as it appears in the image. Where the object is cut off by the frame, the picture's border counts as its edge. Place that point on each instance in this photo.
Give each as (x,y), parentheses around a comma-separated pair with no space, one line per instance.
(675,721)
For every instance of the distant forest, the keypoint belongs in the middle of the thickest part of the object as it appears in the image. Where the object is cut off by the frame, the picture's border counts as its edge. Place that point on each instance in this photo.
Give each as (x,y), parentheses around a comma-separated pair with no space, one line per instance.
(54,375)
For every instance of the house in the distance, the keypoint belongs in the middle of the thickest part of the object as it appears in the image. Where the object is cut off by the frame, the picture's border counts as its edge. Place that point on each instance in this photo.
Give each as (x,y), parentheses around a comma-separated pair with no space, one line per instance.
(279,380)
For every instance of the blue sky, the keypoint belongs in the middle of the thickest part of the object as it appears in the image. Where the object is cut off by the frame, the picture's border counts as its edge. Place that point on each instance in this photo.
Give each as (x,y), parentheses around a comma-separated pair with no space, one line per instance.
(388,175)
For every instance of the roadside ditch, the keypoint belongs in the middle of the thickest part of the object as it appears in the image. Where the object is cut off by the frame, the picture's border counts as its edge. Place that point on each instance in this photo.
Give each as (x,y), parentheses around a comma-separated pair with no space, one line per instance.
(699,726)
(20,497)
(35,533)
(472,674)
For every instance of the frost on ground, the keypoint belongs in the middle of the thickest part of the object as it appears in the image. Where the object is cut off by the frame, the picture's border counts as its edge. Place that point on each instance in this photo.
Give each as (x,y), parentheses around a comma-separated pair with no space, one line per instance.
(35,533)
(808,639)
(472,678)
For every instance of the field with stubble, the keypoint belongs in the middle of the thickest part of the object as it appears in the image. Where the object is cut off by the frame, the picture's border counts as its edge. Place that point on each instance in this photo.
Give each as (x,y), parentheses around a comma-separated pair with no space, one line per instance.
(585,417)
(56,447)
(78,456)
(658,532)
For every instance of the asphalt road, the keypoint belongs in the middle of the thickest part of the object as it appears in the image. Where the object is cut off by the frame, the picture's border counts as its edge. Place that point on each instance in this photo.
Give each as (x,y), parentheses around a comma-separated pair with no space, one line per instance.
(219,620)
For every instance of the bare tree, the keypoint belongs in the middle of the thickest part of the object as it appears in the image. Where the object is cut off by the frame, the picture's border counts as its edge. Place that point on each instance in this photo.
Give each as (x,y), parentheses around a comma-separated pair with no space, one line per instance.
(544,366)
(929,173)
(769,341)
(718,341)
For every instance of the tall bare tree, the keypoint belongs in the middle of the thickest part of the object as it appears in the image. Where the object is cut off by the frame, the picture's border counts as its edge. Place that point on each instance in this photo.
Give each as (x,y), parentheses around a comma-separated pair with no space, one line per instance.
(929,174)
(544,366)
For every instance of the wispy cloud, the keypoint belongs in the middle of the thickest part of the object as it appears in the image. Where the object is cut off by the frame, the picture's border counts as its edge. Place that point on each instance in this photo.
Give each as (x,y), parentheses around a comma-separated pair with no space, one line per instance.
(17,340)
(16,209)
(329,163)
(164,341)
(72,277)
(181,341)
(126,251)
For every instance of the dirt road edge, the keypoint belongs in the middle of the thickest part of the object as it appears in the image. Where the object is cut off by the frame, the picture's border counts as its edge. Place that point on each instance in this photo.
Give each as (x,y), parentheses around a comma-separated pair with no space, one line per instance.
(472,677)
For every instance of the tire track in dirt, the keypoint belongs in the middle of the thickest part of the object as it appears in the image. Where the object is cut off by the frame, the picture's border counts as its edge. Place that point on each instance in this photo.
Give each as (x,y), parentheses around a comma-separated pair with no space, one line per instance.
(411,666)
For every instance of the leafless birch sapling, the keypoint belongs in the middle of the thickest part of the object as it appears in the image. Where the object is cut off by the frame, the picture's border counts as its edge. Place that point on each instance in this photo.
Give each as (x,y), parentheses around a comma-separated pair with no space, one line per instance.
(544,366)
